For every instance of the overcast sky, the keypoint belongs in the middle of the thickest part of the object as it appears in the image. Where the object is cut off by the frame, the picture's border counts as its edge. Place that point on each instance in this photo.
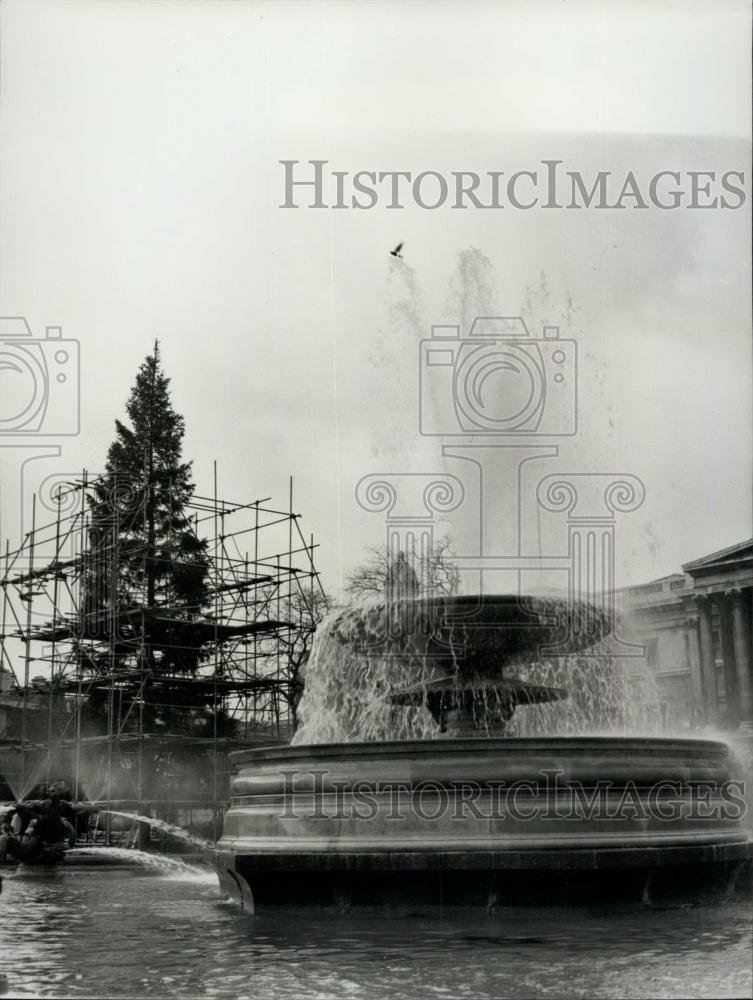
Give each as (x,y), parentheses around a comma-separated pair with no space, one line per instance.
(140,193)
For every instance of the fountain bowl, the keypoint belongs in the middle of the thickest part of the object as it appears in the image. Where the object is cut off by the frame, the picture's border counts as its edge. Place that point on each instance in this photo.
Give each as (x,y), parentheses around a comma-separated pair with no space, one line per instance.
(474,633)
(457,655)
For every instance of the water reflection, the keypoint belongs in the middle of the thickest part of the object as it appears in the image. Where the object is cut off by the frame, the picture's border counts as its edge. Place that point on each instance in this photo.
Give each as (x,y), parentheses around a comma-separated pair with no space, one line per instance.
(129,933)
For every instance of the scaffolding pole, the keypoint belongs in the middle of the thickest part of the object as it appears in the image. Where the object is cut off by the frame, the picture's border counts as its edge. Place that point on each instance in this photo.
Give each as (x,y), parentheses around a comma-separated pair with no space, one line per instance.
(240,641)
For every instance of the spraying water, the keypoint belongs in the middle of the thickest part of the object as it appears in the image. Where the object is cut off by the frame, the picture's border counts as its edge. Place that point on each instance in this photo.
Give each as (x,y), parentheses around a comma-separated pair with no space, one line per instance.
(352,669)
(162,863)
(472,291)
(200,843)
(359,660)
(605,698)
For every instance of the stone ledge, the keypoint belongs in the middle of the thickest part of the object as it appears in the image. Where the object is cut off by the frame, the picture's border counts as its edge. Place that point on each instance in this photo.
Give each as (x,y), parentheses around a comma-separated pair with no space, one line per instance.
(549,859)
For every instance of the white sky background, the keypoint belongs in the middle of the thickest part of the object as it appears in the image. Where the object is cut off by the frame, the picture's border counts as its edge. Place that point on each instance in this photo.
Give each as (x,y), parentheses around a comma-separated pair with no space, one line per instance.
(140,192)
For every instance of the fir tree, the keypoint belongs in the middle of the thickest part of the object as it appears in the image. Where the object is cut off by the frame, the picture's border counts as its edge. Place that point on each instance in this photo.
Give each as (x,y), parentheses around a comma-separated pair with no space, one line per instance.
(147,567)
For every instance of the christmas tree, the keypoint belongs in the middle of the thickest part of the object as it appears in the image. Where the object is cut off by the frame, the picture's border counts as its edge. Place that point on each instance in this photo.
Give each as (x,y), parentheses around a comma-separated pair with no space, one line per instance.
(146,566)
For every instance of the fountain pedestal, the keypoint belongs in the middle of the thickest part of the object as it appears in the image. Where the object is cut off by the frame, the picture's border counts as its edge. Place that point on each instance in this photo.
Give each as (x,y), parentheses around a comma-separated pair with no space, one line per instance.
(475,706)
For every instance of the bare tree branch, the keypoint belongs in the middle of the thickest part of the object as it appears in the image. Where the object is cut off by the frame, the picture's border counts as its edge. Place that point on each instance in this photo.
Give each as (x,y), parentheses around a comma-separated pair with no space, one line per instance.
(435,570)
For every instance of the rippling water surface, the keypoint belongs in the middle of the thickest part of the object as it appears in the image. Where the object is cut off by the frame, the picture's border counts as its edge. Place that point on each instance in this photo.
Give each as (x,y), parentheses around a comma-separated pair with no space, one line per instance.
(81,932)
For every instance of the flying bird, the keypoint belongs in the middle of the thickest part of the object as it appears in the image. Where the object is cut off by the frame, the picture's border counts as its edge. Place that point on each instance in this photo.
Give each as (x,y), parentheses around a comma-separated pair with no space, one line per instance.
(396,251)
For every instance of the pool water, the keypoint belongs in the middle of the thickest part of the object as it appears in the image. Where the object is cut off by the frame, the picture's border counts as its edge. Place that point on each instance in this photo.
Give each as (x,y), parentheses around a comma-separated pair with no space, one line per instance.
(132,932)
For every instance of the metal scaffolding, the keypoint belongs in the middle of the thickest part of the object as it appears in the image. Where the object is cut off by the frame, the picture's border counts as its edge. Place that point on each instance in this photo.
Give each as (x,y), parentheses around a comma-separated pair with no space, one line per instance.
(262,594)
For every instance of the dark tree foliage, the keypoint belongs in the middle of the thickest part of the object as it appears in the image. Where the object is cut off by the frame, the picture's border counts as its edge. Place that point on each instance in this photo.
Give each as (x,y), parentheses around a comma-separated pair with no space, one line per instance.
(146,567)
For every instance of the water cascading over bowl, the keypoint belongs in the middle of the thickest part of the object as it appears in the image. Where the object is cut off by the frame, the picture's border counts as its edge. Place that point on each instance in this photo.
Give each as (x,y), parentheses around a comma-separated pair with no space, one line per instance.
(460,657)
(472,817)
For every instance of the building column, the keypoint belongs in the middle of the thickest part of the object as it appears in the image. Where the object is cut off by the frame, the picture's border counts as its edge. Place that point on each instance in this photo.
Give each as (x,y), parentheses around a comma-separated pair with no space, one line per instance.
(731,687)
(742,639)
(708,667)
(693,653)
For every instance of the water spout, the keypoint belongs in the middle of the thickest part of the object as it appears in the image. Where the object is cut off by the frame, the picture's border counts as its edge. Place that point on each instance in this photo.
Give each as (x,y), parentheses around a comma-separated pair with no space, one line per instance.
(200,843)
(165,864)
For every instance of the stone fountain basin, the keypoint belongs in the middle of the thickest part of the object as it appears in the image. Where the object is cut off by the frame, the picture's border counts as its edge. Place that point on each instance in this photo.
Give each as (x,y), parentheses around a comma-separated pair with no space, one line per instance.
(297,814)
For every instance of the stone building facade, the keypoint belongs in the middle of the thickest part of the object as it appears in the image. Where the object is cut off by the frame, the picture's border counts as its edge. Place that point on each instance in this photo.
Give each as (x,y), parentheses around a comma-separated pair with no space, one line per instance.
(696,628)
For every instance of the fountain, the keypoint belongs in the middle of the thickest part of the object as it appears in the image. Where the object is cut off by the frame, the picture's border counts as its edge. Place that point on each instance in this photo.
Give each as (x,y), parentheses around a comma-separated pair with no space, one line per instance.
(455,812)
(40,831)
(34,832)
